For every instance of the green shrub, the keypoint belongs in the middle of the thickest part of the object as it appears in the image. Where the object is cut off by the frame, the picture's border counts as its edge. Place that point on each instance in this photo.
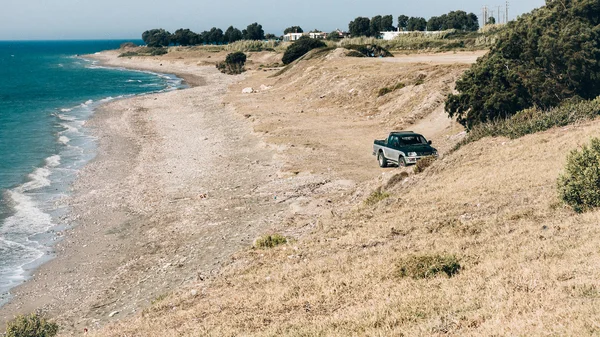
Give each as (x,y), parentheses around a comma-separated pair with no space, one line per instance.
(159,51)
(129,54)
(31,326)
(387,90)
(300,48)
(234,63)
(535,120)
(126,45)
(428,266)
(423,164)
(579,186)
(376,196)
(270,241)
(354,53)
(370,50)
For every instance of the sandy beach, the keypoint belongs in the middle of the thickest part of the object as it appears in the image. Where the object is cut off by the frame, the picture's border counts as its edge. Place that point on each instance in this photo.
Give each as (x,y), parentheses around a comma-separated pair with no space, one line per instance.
(168,198)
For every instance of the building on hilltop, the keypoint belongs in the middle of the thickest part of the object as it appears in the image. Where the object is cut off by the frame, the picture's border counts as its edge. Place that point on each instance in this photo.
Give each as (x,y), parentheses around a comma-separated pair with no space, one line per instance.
(292,36)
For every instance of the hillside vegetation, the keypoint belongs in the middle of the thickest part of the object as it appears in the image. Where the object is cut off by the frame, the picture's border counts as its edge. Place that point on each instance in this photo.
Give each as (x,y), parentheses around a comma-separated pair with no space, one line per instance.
(539,60)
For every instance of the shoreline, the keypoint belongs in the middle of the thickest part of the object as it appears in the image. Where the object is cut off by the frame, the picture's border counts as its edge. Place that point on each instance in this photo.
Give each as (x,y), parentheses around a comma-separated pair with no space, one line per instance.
(148,214)
(49,238)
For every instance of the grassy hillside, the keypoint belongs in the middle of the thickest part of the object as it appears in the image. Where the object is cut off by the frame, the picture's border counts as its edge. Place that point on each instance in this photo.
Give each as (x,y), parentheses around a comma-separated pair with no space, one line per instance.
(361,258)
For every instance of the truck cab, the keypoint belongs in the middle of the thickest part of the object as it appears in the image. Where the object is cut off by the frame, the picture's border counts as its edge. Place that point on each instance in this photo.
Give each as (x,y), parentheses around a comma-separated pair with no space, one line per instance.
(402,148)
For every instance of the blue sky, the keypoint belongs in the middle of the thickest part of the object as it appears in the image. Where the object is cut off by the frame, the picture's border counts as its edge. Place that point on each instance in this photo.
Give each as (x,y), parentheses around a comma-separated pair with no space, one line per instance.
(114,19)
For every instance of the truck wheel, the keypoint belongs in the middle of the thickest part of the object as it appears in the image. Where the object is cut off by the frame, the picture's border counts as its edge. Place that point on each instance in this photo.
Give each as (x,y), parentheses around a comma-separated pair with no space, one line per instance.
(381,159)
(401,162)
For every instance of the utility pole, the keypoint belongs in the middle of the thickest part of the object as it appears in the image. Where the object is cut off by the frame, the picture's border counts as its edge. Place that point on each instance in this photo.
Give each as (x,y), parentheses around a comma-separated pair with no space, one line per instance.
(499,18)
(484,15)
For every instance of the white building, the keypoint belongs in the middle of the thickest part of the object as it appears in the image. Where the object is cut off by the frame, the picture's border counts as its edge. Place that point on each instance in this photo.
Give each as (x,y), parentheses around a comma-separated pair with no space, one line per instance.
(292,36)
(318,35)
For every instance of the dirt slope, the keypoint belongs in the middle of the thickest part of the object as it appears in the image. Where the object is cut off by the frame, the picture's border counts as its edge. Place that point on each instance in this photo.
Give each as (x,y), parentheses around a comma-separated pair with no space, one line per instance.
(527,263)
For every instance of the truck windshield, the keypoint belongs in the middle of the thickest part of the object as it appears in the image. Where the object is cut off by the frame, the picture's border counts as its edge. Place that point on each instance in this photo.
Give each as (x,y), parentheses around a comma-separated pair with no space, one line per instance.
(412,140)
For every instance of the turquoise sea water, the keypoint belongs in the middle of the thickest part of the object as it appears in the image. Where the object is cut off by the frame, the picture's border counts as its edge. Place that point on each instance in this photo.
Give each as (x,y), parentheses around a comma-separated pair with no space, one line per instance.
(47,93)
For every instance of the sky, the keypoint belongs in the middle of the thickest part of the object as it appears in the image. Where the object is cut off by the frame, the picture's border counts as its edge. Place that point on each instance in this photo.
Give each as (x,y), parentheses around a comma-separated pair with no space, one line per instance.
(127,19)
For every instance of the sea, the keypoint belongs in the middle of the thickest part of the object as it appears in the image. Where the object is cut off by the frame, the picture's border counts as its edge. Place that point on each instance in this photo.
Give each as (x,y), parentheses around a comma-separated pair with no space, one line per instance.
(47,93)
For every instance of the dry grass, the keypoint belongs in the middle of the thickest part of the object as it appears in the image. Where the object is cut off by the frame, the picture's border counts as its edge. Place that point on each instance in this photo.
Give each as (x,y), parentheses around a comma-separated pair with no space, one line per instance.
(520,256)
(526,262)
(423,164)
(428,266)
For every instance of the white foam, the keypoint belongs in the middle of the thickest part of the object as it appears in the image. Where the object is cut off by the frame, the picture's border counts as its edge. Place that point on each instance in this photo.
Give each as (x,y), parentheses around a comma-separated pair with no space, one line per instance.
(53,161)
(63,140)
(28,219)
(88,102)
(66,118)
(66,110)
(69,128)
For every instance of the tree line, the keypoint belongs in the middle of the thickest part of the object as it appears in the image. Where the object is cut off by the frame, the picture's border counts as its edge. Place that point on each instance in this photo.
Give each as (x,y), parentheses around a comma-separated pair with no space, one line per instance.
(186,37)
(459,20)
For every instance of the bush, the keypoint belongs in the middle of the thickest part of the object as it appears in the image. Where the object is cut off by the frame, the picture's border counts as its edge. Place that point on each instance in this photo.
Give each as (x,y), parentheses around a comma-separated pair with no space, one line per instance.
(31,326)
(126,45)
(579,186)
(300,48)
(234,63)
(129,54)
(535,120)
(423,164)
(158,51)
(370,50)
(270,241)
(387,90)
(254,46)
(539,60)
(428,266)
(377,196)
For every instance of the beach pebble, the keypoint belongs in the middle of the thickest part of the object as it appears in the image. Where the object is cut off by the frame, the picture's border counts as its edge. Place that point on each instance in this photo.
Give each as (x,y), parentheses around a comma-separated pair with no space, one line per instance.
(113,313)
(247,90)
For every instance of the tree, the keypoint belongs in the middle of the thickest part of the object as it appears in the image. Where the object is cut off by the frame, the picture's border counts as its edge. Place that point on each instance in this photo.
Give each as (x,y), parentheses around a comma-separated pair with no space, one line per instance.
(387,23)
(375,26)
(416,24)
(301,47)
(539,60)
(254,32)
(361,26)
(215,36)
(403,22)
(491,21)
(293,29)
(334,36)
(270,36)
(183,37)
(156,38)
(434,24)
(232,34)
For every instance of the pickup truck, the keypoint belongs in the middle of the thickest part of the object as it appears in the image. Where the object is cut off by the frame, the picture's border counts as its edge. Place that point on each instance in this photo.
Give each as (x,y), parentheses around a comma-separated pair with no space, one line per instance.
(402,148)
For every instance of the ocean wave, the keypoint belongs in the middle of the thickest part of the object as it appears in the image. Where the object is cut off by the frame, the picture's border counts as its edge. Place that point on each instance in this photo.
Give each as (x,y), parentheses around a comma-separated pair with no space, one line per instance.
(65,117)
(69,128)
(64,140)
(53,161)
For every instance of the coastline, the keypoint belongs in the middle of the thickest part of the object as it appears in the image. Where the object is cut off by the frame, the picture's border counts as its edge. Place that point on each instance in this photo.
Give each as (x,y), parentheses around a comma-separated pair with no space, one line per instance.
(162,203)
